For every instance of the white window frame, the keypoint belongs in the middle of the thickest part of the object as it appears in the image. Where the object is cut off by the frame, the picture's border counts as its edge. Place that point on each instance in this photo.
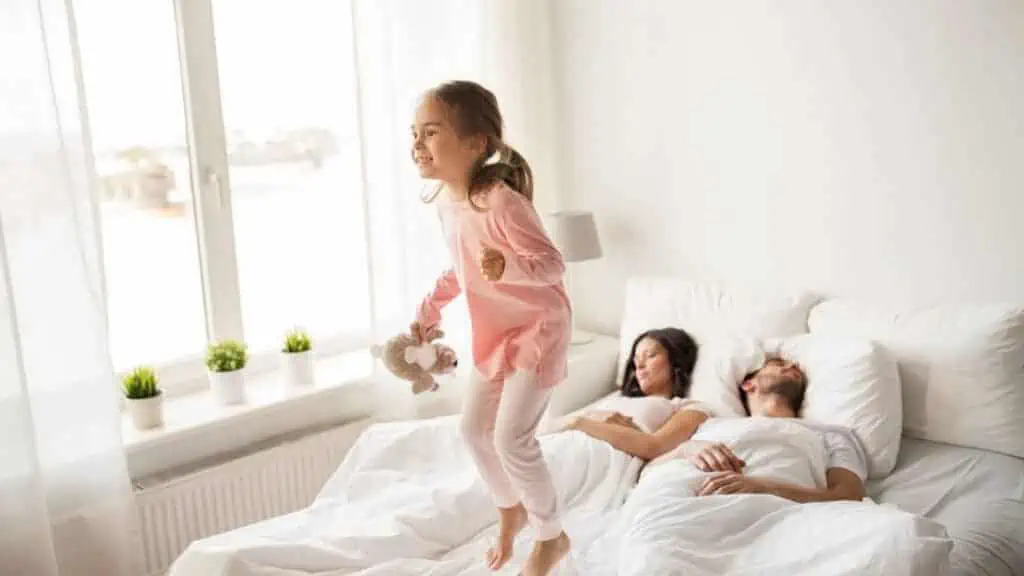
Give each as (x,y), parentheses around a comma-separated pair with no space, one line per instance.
(209,176)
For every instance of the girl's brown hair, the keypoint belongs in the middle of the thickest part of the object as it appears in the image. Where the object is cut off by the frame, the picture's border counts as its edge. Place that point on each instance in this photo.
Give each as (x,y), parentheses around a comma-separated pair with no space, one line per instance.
(474,112)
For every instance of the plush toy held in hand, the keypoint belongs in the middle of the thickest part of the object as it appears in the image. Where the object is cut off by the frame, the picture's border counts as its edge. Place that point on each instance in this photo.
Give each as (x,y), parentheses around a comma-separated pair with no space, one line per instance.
(406,358)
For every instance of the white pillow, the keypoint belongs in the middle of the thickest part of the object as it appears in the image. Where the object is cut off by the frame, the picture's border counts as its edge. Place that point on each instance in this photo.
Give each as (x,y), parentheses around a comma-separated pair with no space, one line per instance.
(961,367)
(721,365)
(851,382)
(708,311)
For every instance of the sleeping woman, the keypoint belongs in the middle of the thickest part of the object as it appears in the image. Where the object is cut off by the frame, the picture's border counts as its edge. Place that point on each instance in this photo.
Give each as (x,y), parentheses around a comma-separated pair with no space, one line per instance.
(652,416)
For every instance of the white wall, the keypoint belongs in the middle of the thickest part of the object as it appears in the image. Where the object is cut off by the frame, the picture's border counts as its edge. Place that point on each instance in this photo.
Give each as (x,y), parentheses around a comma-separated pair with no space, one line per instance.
(864,148)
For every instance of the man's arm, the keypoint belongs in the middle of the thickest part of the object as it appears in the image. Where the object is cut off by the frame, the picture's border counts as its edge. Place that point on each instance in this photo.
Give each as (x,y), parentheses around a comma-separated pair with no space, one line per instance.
(679,428)
(843,484)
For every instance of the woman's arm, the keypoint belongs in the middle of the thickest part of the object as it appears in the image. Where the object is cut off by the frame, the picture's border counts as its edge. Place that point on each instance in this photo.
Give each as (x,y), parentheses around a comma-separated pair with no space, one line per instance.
(843,484)
(679,428)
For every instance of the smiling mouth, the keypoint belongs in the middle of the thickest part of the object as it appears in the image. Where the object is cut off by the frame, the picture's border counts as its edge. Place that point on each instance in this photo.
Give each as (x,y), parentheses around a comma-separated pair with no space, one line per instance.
(423,159)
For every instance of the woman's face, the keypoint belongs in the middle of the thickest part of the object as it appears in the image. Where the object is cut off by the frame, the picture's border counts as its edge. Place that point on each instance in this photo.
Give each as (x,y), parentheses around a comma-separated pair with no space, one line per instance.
(437,149)
(653,369)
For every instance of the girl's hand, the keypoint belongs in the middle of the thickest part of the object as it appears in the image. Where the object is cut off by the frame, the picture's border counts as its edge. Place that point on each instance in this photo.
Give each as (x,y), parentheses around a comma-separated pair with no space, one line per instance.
(492,264)
(418,332)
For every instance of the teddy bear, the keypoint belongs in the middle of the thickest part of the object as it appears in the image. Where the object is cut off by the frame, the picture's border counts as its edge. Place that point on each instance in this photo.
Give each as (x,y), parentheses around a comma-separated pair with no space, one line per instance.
(414,362)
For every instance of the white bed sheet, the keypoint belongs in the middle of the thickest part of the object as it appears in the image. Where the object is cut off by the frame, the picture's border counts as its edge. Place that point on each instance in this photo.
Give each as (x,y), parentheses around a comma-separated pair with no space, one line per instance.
(407,501)
(977,495)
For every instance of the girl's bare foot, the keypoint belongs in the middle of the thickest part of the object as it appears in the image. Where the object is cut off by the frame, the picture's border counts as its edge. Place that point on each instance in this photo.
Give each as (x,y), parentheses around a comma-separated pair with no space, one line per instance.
(511,522)
(546,555)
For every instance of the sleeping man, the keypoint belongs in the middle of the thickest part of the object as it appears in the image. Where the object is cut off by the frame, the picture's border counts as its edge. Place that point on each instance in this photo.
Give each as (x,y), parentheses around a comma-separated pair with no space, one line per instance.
(776,390)
(691,438)
(728,500)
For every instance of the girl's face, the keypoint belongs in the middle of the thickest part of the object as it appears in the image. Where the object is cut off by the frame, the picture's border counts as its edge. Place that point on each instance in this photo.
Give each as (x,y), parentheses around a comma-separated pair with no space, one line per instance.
(653,368)
(437,149)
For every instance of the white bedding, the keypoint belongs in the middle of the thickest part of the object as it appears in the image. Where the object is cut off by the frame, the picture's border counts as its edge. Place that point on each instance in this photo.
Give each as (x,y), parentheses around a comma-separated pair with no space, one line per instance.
(407,501)
(977,495)
(664,530)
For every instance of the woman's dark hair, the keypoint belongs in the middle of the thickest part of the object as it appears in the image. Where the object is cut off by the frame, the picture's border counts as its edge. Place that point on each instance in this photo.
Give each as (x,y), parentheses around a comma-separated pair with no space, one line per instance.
(682,357)
(475,112)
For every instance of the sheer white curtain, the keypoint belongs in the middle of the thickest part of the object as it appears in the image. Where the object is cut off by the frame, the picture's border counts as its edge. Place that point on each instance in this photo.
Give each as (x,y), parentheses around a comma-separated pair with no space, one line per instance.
(404,47)
(65,497)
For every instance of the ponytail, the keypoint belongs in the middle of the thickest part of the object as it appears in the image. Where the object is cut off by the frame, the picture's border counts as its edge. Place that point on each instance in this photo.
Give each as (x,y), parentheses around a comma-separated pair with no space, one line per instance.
(504,165)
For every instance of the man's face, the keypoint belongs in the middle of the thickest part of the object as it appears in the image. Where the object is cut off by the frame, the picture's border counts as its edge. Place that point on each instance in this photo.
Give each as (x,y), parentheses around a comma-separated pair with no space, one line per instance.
(776,377)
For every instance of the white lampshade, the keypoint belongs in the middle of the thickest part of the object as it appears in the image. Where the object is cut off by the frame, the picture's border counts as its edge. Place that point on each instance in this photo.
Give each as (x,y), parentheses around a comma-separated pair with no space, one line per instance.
(575,235)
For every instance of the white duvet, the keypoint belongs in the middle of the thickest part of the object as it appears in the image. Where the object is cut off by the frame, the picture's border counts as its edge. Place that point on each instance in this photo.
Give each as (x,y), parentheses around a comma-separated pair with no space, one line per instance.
(663,529)
(407,501)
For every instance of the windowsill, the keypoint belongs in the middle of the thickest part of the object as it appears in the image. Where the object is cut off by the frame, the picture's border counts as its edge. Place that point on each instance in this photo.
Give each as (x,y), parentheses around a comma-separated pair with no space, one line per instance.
(198,431)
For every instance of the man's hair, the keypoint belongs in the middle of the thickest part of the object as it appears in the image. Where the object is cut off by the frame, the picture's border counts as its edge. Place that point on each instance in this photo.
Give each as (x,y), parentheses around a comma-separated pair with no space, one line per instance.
(791,390)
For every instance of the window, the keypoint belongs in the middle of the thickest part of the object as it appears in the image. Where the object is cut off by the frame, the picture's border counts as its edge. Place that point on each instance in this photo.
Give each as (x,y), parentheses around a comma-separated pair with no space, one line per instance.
(226,141)
(295,191)
(137,115)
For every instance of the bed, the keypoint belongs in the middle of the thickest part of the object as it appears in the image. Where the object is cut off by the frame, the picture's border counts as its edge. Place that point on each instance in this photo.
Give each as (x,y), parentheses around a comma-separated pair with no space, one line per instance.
(372,519)
(947,476)
(977,495)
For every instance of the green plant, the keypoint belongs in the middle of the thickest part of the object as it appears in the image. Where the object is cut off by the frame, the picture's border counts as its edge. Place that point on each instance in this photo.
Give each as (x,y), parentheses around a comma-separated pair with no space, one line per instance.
(226,356)
(141,383)
(297,341)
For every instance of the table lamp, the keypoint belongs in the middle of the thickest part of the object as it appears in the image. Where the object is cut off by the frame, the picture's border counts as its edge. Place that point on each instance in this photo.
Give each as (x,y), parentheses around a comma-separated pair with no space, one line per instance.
(575,234)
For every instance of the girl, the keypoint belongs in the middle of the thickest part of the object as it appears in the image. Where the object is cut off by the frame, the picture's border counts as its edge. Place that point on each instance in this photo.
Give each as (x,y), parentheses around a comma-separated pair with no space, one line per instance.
(511,274)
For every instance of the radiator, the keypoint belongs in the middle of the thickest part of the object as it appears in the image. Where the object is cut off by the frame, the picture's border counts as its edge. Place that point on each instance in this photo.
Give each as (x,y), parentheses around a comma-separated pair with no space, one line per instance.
(268,483)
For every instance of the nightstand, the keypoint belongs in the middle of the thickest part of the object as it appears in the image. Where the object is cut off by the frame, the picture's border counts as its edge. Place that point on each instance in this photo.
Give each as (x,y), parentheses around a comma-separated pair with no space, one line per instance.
(591,374)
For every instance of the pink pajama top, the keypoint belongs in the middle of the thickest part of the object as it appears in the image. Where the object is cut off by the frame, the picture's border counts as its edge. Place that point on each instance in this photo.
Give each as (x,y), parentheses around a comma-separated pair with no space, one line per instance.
(523,321)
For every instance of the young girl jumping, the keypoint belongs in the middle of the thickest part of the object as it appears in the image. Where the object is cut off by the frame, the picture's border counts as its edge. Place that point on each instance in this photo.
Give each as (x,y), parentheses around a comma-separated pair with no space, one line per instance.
(511,274)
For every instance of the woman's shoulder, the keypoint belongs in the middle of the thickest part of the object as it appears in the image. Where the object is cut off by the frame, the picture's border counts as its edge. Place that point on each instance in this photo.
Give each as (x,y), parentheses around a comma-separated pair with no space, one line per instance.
(681,404)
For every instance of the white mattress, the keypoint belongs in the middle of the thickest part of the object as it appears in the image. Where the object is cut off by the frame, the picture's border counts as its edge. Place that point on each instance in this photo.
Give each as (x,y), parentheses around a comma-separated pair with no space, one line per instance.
(977,495)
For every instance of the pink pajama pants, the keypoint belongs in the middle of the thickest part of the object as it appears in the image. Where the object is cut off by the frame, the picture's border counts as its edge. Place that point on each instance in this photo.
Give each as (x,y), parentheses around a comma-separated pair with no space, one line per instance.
(499,424)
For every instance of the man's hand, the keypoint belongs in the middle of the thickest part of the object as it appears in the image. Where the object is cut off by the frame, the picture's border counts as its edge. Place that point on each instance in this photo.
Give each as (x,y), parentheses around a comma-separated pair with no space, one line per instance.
(730,483)
(717,458)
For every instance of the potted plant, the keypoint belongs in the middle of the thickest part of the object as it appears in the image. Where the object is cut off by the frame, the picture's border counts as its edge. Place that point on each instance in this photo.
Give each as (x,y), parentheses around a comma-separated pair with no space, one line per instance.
(225,360)
(297,358)
(144,398)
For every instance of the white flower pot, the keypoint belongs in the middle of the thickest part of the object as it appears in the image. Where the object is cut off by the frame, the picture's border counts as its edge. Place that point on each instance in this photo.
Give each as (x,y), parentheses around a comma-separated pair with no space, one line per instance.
(146,413)
(228,387)
(297,368)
